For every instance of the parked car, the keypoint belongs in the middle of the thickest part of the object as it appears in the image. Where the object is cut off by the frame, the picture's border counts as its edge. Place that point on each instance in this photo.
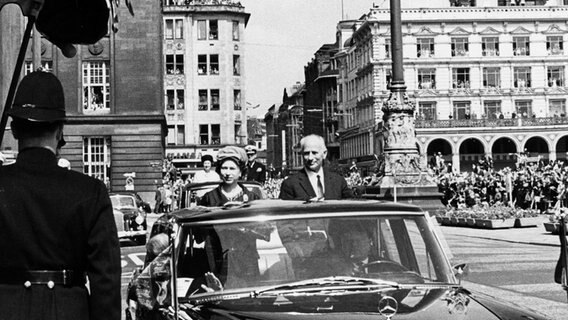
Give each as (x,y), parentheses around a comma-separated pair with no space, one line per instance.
(130,218)
(139,201)
(274,259)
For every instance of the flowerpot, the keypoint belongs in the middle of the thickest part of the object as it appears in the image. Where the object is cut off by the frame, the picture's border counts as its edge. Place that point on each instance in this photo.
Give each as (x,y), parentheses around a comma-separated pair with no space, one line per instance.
(445,221)
(553,227)
(494,224)
(454,221)
(527,222)
(462,222)
(470,222)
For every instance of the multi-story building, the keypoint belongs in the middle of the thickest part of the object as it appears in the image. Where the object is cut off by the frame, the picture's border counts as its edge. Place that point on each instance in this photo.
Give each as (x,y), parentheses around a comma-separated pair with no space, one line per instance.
(113,96)
(487,77)
(204,80)
(320,98)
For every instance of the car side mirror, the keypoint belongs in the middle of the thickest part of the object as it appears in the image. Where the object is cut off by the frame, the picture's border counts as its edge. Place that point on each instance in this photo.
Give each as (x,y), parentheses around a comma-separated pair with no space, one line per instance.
(460,271)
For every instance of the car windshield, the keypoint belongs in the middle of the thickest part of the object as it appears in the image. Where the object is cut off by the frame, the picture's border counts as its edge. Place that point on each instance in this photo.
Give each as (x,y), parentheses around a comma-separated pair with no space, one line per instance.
(119,202)
(255,255)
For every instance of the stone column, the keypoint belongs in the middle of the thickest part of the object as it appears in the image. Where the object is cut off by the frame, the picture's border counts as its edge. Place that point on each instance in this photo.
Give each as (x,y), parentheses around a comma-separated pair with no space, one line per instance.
(404,176)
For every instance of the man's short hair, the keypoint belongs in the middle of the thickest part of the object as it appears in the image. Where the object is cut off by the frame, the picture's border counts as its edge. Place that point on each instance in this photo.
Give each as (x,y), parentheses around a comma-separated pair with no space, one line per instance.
(312,136)
(22,128)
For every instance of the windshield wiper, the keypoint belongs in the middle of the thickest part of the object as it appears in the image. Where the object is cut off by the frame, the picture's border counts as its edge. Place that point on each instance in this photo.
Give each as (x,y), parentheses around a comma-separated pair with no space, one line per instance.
(327,284)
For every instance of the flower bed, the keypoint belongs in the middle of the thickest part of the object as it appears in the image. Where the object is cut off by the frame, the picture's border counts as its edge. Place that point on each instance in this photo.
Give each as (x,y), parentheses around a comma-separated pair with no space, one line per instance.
(490,217)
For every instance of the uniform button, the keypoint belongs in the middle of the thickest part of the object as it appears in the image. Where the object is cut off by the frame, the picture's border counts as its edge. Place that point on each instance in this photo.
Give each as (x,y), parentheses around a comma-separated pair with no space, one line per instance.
(27,284)
(50,284)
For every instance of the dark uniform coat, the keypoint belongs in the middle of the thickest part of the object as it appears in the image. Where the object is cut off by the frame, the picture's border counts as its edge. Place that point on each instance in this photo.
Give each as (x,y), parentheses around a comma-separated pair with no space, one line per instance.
(298,187)
(54,219)
(256,172)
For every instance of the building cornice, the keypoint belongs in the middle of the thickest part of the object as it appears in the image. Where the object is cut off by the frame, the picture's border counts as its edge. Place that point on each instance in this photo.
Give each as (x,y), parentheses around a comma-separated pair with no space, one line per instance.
(473,14)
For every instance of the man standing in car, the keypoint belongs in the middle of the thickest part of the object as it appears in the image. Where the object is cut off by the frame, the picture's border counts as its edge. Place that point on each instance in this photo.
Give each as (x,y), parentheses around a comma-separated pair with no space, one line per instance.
(315,181)
(58,226)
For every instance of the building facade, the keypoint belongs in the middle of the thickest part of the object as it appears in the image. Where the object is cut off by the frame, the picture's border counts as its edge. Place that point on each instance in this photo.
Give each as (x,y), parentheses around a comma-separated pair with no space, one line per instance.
(113,95)
(486,77)
(204,79)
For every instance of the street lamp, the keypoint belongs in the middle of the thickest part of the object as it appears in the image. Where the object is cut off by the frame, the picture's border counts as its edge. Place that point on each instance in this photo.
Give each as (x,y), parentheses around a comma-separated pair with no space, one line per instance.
(400,151)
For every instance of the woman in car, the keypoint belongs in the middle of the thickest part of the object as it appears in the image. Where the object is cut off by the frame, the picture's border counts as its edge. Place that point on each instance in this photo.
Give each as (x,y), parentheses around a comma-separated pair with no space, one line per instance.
(231,166)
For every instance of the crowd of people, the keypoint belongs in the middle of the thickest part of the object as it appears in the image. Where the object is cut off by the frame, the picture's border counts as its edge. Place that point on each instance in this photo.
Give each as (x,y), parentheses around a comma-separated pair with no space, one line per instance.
(538,185)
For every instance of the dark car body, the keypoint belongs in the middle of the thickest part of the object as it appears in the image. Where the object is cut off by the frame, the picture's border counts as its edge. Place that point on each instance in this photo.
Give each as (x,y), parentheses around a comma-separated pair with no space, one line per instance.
(274,259)
(139,201)
(130,218)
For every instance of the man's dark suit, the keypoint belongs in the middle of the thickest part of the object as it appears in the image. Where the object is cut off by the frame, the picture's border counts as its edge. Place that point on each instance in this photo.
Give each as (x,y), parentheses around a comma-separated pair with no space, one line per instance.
(256,172)
(298,187)
(54,219)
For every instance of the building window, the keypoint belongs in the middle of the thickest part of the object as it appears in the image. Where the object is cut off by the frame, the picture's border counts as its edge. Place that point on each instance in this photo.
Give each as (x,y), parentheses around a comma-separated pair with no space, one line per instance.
(46,66)
(557,108)
(171,135)
(203,100)
(180,136)
(523,108)
(521,46)
(554,45)
(387,48)
(522,77)
(201,29)
(462,110)
(460,78)
(174,29)
(97,157)
(427,110)
(236,32)
(425,47)
(555,76)
(202,64)
(460,47)
(492,109)
(490,46)
(236,65)
(175,99)
(214,64)
(213,30)
(170,100)
(204,134)
(216,134)
(237,100)
(215,105)
(174,63)
(238,137)
(426,78)
(388,77)
(96,87)
(492,77)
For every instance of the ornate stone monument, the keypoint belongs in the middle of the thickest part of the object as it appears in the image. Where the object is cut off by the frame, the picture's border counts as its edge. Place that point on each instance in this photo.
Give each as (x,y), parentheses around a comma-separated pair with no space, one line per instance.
(404,176)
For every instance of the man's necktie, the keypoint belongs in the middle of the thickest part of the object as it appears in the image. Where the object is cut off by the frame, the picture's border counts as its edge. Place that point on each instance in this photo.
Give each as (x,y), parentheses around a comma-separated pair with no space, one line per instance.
(320,188)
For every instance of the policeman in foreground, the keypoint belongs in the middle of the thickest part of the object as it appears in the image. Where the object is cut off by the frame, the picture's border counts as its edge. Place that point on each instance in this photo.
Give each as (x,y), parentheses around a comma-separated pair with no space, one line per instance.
(58,227)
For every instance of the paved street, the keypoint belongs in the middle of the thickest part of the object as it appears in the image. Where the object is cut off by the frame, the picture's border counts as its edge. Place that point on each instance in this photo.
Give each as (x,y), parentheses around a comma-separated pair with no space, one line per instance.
(514,264)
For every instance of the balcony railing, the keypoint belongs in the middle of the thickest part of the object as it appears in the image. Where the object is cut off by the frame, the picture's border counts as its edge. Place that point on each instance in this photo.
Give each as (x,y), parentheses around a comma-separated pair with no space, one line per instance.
(466,123)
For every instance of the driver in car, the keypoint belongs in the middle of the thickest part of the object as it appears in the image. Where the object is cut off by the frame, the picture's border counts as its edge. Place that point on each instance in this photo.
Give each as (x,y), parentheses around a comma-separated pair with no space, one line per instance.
(354,242)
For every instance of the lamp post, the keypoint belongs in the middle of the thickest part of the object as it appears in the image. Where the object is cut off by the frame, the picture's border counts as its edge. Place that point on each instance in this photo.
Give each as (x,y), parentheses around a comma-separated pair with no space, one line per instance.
(400,150)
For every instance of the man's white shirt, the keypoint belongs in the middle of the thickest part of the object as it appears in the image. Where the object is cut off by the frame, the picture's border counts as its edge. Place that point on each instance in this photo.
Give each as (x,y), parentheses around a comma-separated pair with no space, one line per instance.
(313,177)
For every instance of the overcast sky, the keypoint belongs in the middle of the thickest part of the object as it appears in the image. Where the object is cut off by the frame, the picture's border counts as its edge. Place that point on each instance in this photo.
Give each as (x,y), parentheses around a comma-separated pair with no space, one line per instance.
(281,38)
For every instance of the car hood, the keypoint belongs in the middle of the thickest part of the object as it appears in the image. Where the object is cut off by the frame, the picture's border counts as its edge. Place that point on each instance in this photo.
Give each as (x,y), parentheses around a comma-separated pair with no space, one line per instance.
(436,304)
